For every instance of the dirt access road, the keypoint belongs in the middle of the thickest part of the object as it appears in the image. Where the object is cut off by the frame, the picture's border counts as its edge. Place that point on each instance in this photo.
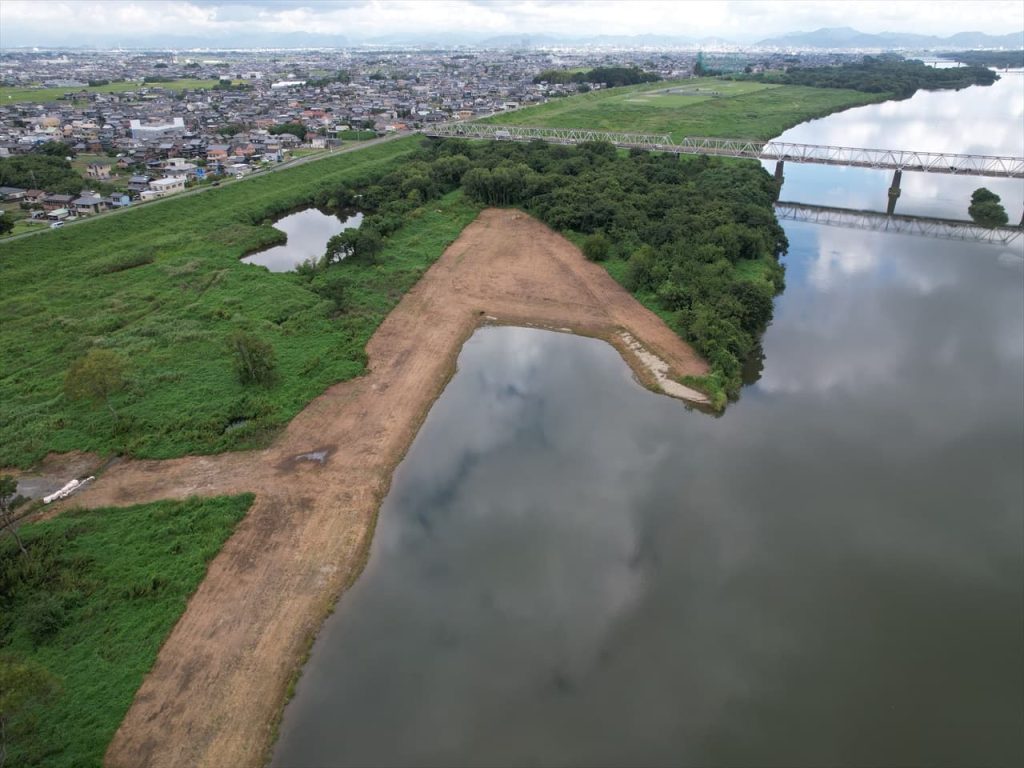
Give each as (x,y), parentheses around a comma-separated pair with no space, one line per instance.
(217,687)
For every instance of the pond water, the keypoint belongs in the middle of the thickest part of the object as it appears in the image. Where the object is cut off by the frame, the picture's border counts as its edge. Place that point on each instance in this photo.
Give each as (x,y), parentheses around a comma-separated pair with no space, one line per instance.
(308,232)
(571,570)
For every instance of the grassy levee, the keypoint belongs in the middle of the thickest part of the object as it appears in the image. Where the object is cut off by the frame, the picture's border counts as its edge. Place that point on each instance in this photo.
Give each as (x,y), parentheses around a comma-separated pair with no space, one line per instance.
(88,607)
(163,286)
(699,107)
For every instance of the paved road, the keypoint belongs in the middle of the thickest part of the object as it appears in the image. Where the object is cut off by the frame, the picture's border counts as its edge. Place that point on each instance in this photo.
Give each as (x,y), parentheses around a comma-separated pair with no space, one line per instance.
(208,188)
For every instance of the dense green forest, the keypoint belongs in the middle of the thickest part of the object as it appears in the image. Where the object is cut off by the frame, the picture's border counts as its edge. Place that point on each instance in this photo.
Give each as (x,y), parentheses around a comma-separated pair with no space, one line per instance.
(693,238)
(612,77)
(40,171)
(879,74)
(997,59)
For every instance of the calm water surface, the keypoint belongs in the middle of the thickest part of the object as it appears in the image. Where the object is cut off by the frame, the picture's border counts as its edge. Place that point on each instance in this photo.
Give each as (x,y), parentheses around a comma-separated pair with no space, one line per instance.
(570,570)
(308,232)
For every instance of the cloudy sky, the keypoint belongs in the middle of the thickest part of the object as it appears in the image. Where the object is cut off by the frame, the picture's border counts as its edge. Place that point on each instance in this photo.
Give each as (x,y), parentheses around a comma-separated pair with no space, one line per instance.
(59,22)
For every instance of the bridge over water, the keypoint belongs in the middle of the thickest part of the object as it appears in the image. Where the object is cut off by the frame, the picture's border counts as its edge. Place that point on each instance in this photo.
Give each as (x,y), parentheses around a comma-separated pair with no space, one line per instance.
(922,226)
(779,151)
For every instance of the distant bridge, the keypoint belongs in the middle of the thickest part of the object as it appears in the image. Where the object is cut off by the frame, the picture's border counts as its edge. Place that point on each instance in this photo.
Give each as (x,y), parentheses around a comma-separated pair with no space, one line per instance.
(779,151)
(943,229)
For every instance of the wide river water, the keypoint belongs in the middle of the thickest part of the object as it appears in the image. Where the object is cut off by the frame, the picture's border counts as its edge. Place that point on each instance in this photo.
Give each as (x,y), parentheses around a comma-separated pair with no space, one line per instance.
(571,570)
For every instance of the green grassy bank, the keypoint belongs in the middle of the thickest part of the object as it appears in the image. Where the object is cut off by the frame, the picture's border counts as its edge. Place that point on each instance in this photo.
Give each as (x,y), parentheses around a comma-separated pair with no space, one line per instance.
(84,613)
(698,107)
(163,286)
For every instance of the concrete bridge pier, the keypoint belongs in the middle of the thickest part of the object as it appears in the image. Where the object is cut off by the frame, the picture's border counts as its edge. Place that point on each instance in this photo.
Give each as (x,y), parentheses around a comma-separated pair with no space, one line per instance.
(894,191)
(780,169)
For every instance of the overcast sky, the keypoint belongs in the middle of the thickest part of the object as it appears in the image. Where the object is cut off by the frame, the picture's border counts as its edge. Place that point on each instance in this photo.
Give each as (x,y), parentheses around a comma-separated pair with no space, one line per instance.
(50,22)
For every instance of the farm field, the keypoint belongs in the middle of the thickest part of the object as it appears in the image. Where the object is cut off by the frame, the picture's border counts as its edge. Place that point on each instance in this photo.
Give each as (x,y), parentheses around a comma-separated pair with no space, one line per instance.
(18,94)
(698,107)
(164,288)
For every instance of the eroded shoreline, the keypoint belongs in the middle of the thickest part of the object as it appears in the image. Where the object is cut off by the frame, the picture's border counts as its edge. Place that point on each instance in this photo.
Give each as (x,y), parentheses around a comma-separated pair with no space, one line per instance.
(216,690)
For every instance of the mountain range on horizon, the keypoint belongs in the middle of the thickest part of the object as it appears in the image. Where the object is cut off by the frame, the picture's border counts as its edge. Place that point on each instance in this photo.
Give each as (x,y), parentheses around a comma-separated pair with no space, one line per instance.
(847,37)
(826,38)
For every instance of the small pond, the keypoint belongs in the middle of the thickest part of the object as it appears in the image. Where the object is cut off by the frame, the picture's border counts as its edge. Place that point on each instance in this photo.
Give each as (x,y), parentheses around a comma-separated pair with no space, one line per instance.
(308,232)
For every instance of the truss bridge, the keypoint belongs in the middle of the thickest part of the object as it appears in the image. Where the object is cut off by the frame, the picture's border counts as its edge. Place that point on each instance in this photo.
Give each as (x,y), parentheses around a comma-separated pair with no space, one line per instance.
(778,151)
(922,226)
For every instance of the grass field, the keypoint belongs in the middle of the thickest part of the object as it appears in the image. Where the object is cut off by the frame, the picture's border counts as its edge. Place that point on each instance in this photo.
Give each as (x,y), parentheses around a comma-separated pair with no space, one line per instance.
(15,95)
(91,604)
(746,110)
(163,286)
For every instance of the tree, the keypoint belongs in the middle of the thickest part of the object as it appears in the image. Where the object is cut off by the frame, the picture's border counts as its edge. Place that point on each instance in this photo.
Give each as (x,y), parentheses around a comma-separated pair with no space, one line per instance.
(56,149)
(6,225)
(254,358)
(986,208)
(23,684)
(8,497)
(362,243)
(596,247)
(95,377)
(298,130)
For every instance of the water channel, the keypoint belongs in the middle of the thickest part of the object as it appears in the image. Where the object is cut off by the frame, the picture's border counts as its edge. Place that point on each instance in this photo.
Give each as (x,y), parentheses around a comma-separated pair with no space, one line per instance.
(308,232)
(570,570)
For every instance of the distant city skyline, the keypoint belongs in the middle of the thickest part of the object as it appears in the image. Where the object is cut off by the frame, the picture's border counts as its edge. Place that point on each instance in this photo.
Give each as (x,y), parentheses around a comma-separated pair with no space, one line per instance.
(229,23)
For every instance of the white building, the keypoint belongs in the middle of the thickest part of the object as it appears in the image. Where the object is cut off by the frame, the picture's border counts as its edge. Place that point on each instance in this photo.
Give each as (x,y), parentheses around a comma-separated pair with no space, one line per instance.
(140,131)
(168,186)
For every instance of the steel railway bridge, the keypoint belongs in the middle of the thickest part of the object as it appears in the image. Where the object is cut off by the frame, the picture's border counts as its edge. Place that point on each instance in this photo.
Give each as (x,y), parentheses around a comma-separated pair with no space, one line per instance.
(779,151)
(924,226)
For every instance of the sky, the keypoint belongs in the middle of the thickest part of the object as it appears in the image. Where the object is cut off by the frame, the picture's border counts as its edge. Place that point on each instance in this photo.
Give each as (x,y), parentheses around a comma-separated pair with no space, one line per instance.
(99,22)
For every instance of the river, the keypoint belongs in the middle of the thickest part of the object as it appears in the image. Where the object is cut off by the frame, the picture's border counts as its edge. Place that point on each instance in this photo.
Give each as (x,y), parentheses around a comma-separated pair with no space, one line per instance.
(571,570)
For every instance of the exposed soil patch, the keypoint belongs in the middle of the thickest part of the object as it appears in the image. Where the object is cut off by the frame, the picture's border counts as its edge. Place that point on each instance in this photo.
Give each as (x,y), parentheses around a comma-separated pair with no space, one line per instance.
(217,687)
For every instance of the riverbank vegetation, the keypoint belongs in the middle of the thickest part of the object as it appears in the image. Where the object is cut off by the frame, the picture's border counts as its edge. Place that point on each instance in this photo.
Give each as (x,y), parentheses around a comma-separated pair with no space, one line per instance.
(163,287)
(694,239)
(987,209)
(900,78)
(171,300)
(996,59)
(84,611)
(612,77)
(695,107)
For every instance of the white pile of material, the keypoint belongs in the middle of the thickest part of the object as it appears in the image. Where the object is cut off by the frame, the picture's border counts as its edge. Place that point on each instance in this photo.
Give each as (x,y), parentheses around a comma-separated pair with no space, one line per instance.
(67,490)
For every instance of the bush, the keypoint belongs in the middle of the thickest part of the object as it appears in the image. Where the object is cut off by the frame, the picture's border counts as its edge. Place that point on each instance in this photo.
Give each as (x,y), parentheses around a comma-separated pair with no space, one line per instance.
(254,358)
(45,618)
(596,247)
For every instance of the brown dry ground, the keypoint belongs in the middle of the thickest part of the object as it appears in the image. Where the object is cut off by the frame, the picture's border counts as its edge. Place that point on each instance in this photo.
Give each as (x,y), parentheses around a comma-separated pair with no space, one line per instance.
(215,693)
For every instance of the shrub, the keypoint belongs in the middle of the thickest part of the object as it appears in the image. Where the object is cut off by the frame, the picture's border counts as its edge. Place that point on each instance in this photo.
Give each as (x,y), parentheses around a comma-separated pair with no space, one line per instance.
(46,618)
(596,247)
(254,358)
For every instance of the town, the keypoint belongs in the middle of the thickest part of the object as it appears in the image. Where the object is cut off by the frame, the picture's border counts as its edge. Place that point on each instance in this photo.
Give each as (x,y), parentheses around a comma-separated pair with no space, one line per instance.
(142,125)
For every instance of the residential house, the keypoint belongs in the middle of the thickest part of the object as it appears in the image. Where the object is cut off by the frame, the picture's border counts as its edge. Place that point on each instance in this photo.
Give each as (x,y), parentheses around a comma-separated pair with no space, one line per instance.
(89,204)
(56,202)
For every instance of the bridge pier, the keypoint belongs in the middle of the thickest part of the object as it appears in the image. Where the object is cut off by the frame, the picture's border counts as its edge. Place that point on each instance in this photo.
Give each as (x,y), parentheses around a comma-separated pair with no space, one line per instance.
(894,191)
(780,169)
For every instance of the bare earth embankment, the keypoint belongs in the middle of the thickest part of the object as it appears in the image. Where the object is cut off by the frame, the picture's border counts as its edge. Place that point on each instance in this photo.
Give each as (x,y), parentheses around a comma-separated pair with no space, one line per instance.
(217,687)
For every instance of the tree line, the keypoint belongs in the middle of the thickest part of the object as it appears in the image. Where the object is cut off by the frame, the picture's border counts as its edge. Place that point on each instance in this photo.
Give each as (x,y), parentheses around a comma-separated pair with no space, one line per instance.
(611,77)
(879,74)
(695,238)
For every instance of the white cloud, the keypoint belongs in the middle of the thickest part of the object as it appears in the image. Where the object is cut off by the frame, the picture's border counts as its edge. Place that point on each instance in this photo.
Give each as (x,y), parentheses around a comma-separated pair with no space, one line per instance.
(30,22)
